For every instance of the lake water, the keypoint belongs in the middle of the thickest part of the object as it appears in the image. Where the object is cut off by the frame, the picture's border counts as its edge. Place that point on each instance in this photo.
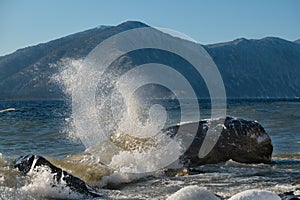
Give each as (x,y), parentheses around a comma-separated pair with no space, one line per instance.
(45,128)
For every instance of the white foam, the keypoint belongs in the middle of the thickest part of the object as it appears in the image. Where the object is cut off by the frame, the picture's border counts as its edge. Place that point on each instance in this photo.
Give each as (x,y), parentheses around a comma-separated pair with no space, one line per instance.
(150,160)
(43,185)
(118,178)
(193,192)
(7,110)
(255,195)
(133,165)
(8,193)
(2,179)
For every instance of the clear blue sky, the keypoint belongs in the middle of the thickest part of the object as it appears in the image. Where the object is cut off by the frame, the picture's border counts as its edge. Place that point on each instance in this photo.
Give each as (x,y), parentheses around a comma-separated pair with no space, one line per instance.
(25,23)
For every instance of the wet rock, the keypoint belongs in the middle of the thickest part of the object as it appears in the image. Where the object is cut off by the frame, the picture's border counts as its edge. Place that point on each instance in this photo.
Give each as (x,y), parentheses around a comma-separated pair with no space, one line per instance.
(240,140)
(30,162)
(289,196)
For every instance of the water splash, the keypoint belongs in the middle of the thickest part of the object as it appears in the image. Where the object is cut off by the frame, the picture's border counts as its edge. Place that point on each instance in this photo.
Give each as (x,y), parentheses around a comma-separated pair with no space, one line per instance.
(131,144)
(110,87)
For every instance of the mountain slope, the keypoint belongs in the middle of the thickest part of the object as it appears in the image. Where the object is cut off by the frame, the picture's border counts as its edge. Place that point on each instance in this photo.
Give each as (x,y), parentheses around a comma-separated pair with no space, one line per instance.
(26,73)
(269,67)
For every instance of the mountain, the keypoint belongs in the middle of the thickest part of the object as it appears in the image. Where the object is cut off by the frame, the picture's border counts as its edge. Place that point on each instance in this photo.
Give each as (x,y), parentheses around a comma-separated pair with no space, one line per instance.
(25,74)
(265,68)
(269,67)
(297,41)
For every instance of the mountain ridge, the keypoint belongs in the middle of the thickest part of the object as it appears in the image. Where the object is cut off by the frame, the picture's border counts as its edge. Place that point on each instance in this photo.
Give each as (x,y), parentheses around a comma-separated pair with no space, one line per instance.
(262,67)
(26,72)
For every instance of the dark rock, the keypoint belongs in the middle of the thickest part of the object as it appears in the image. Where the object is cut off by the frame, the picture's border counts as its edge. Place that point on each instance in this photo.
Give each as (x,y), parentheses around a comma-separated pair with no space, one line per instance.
(30,162)
(240,140)
(288,196)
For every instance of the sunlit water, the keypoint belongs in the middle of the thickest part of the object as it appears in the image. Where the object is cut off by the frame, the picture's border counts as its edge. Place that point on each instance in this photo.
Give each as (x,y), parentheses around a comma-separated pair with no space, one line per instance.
(43,128)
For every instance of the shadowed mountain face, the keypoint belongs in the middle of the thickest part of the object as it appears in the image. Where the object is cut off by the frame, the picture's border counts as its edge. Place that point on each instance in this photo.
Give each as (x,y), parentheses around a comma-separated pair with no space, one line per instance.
(25,74)
(269,67)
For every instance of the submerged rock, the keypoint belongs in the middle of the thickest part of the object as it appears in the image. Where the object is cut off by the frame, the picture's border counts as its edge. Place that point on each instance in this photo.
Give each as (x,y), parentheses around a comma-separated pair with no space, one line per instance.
(240,140)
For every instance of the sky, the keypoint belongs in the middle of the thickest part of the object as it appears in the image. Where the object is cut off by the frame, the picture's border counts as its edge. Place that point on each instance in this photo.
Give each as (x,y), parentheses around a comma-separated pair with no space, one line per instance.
(30,22)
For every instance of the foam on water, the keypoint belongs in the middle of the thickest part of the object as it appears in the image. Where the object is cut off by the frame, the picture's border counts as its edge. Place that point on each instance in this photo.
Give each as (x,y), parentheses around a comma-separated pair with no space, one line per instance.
(39,184)
(127,164)
(42,184)
(223,179)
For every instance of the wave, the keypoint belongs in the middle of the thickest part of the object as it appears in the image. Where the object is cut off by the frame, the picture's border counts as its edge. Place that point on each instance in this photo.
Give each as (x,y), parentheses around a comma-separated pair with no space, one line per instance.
(7,110)
(122,159)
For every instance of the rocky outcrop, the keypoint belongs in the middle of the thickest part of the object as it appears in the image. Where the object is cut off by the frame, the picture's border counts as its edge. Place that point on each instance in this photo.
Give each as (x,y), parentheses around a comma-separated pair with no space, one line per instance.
(240,140)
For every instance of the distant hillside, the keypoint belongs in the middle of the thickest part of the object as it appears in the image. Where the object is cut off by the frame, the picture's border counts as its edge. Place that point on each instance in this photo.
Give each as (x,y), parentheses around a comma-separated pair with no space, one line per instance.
(269,67)
(297,41)
(25,74)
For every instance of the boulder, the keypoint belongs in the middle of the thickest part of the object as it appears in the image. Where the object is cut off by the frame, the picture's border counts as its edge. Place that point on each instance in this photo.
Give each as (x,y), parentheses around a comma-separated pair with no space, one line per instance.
(240,140)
